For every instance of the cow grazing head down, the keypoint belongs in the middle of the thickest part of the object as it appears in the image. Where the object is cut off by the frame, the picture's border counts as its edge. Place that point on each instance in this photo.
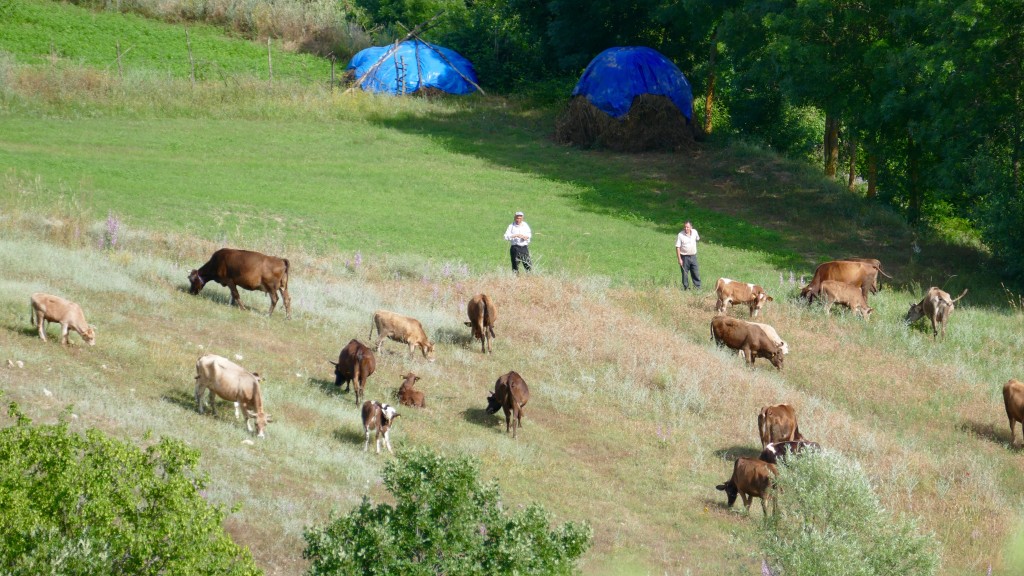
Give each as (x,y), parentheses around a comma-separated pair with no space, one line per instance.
(195,282)
(937,306)
(510,395)
(750,478)
(244,269)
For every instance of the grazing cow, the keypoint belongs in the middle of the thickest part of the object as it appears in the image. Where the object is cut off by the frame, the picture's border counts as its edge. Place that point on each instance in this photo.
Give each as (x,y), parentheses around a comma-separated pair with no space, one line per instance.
(772,335)
(777,423)
(937,306)
(775,451)
(402,329)
(750,478)
(49,308)
(408,395)
(233,383)
(356,363)
(250,270)
(1013,400)
(751,341)
(731,292)
(482,315)
(835,292)
(379,417)
(873,262)
(511,395)
(863,275)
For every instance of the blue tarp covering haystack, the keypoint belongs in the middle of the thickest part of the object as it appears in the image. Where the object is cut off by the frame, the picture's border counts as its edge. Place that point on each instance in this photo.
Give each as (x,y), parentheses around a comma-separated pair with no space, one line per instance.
(618,75)
(412,66)
(629,99)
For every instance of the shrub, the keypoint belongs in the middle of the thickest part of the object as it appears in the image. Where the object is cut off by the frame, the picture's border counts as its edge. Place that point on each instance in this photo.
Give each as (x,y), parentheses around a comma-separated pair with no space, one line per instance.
(445,521)
(88,504)
(830,522)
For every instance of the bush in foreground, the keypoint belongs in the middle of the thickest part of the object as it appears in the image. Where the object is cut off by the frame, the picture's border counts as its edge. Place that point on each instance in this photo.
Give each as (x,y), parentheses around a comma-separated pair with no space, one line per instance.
(91,505)
(445,521)
(831,522)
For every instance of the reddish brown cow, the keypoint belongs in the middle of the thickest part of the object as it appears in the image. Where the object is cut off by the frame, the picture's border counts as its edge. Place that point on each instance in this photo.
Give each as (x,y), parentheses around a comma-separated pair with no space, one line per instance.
(482,315)
(732,292)
(49,308)
(863,275)
(752,341)
(402,329)
(937,306)
(1013,401)
(379,417)
(408,395)
(834,292)
(511,395)
(243,268)
(750,478)
(777,423)
(356,363)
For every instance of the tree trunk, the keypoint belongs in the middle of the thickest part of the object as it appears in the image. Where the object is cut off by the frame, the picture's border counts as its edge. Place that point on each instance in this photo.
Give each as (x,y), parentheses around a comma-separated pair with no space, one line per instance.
(1017,145)
(710,98)
(914,193)
(831,144)
(872,175)
(853,165)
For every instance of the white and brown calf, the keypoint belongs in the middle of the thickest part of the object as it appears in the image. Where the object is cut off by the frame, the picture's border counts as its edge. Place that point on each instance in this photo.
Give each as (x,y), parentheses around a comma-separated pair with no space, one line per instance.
(731,292)
(50,308)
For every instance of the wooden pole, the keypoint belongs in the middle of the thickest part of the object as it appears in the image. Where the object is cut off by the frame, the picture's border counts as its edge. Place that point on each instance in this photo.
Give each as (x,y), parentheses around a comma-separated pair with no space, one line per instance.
(438,52)
(191,61)
(120,74)
(270,63)
(391,50)
(333,58)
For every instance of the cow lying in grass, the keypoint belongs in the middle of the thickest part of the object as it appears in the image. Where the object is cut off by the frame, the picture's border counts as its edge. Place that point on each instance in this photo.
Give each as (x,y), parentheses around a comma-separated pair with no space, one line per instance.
(750,478)
(408,395)
(510,395)
(379,417)
(937,307)
(402,329)
(49,308)
(231,382)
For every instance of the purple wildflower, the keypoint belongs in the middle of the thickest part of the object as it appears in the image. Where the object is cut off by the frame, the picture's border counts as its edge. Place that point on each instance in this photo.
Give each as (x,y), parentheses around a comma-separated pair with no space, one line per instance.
(358,259)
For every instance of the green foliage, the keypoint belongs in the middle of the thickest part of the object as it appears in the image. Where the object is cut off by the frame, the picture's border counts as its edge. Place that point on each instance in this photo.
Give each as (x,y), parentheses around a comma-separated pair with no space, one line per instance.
(445,521)
(73,504)
(830,522)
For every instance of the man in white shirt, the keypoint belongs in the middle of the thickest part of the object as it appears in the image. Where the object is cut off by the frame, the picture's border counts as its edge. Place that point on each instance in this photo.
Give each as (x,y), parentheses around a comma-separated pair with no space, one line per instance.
(518,235)
(686,252)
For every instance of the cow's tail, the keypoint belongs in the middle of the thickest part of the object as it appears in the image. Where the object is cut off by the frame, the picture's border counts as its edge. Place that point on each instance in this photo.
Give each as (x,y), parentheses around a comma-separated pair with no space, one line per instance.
(962,294)
(882,272)
(373,324)
(284,280)
(761,428)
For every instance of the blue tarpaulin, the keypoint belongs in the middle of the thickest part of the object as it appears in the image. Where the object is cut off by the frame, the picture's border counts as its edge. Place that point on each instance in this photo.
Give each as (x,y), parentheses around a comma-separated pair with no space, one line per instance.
(617,75)
(413,65)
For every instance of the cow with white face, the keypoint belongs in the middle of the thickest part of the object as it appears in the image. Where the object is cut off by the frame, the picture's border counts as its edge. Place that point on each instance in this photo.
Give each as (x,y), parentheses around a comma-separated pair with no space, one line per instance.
(379,417)
(731,292)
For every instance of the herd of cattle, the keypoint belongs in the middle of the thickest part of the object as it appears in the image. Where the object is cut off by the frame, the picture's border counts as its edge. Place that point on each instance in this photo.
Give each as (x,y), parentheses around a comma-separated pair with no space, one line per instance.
(844,282)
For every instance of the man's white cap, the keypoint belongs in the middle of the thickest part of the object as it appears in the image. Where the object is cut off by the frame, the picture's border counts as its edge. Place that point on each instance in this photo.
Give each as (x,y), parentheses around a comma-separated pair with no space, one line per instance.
(519,214)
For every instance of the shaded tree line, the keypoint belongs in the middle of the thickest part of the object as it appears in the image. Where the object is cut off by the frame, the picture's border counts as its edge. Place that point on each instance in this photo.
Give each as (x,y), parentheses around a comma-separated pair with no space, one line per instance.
(915,102)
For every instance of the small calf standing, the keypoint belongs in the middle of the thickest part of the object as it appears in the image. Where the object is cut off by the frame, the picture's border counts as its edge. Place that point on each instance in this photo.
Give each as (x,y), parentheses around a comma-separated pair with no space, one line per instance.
(511,395)
(750,478)
(482,315)
(50,308)
(836,292)
(731,292)
(379,417)
(355,364)
(409,396)
(1013,401)
(937,306)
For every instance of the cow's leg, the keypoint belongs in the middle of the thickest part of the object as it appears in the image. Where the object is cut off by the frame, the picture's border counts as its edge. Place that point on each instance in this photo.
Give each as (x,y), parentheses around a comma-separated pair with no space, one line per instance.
(764,508)
(41,325)
(747,500)
(199,395)
(64,334)
(508,419)
(287,302)
(387,441)
(1013,431)
(238,413)
(366,446)
(272,290)
(235,298)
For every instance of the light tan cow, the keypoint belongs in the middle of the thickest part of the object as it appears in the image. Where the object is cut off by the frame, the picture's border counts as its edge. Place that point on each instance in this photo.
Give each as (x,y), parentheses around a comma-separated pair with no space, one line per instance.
(937,306)
(402,329)
(777,423)
(50,308)
(1013,400)
(233,383)
(732,292)
(836,292)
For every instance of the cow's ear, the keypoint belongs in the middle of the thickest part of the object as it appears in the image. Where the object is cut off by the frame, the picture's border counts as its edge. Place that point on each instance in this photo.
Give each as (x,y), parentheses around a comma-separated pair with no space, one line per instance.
(333,362)
(770,299)
(470,324)
(417,379)
(256,374)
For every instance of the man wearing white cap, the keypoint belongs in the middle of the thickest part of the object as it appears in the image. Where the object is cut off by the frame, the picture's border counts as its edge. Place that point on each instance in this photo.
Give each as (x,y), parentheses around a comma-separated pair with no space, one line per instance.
(518,235)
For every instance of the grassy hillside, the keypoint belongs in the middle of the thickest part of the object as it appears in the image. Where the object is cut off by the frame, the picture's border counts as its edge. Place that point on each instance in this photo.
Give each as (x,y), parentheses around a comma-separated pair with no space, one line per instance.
(400,204)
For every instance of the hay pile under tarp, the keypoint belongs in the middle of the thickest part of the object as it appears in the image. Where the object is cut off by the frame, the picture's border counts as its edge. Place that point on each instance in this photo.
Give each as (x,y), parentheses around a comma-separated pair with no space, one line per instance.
(652,123)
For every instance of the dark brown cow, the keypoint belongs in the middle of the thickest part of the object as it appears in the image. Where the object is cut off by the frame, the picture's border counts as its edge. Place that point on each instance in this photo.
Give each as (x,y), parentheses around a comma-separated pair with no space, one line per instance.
(482,315)
(1013,400)
(355,364)
(752,341)
(863,275)
(732,292)
(243,268)
(408,395)
(750,478)
(777,423)
(511,395)
(776,451)
(379,417)
(937,306)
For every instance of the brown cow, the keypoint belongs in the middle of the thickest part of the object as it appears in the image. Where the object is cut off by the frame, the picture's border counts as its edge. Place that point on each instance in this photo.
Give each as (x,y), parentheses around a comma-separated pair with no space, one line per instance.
(233,383)
(863,275)
(835,292)
(1013,400)
(402,329)
(777,423)
(732,292)
(482,315)
(937,306)
(49,308)
(511,395)
(750,478)
(751,341)
(250,270)
(408,395)
(379,417)
(775,451)
(355,364)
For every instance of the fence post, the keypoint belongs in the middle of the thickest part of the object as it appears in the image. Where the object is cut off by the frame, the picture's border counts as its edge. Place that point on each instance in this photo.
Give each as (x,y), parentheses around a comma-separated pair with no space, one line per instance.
(191,61)
(333,58)
(120,74)
(270,64)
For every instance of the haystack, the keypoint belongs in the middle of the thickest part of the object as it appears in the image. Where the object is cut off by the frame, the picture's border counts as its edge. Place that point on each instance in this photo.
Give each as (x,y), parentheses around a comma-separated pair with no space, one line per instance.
(653,122)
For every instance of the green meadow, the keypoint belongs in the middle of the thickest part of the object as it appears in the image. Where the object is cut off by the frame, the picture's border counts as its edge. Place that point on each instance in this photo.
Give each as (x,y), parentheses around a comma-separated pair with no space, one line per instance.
(112,190)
